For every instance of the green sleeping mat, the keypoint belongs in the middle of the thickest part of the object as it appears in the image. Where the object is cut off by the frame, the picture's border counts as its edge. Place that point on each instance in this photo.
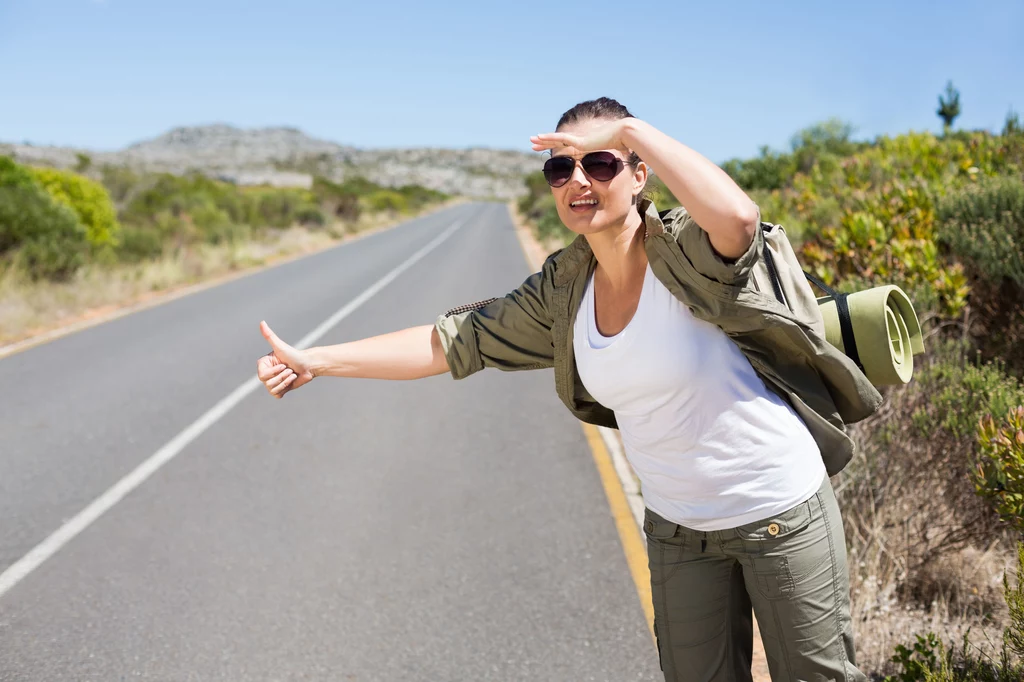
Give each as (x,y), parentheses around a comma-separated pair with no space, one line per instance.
(886,332)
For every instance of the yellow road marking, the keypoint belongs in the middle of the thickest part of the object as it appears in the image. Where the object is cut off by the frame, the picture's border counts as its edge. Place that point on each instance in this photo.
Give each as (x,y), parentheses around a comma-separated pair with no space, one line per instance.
(629,534)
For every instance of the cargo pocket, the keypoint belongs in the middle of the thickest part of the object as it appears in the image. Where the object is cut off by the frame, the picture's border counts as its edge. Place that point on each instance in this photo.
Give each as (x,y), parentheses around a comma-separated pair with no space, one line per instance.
(767,543)
(774,579)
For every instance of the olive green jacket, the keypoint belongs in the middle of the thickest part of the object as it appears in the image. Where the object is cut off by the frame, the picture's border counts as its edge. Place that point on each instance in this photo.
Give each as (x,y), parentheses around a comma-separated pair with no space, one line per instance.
(532,327)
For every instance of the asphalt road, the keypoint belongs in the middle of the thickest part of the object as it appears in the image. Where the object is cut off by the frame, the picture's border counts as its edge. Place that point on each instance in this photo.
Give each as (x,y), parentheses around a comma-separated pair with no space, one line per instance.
(356,530)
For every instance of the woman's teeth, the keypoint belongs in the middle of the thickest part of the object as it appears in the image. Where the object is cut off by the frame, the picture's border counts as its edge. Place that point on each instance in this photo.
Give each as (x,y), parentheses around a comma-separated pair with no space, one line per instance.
(584,202)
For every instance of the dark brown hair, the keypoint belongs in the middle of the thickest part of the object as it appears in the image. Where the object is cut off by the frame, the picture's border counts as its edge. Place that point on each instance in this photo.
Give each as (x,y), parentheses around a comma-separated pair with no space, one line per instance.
(602,107)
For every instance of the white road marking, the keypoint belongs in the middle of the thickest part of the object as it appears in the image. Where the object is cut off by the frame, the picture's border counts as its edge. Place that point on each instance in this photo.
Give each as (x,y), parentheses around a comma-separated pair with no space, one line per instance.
(67,532)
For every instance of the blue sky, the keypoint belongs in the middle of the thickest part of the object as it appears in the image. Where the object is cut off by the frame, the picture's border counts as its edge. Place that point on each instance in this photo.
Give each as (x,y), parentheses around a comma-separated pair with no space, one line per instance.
(725,78)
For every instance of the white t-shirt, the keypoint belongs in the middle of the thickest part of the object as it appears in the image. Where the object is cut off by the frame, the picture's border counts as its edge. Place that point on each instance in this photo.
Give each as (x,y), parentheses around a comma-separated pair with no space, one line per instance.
(713,446)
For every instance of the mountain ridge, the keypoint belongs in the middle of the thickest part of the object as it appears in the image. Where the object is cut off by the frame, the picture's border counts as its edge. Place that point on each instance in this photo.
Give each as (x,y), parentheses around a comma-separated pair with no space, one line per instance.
(287,156)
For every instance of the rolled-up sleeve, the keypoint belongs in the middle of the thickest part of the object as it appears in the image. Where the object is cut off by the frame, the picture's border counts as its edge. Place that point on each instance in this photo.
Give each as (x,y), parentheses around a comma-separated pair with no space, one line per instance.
(696,246)
(509,333)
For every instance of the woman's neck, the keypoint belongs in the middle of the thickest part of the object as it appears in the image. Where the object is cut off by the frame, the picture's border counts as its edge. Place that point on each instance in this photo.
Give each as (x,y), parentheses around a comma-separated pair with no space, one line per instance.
(620,251)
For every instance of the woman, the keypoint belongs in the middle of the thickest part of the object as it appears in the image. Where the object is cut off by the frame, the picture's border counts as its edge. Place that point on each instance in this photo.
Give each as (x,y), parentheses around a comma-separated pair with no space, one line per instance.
(731,405)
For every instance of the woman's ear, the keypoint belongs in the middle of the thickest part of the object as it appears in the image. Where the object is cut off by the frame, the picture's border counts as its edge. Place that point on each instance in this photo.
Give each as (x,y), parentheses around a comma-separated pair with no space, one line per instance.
(639,178)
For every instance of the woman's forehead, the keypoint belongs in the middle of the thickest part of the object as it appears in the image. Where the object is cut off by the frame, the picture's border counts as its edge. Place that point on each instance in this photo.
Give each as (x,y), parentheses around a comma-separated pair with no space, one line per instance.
(577,154)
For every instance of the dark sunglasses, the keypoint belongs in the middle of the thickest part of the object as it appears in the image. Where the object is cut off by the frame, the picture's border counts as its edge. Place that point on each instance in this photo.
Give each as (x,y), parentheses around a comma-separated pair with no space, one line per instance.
(602,166)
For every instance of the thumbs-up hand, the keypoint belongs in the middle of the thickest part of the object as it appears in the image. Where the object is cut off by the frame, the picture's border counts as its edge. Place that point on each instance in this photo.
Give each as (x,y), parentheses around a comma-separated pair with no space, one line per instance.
(284,368)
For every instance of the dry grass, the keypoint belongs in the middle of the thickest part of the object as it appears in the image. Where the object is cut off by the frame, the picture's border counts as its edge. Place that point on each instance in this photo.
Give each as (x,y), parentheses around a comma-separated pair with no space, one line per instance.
(925,553)
(883,618)
(28,308)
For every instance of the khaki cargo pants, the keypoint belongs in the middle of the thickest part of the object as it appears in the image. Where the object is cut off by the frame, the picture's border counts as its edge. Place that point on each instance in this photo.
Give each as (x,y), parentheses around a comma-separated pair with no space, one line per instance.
(791,568)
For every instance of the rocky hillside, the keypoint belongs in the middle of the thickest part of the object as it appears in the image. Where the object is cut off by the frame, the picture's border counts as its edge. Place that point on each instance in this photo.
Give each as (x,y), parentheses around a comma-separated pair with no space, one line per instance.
(289,157)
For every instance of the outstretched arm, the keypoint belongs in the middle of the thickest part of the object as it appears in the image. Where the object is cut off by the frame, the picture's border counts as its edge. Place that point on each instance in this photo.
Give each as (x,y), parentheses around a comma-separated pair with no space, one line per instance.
(510,333)
(411,353)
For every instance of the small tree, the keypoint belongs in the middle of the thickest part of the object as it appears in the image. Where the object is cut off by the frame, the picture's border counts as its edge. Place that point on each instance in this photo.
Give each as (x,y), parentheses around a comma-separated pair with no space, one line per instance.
(1012,125)
(84,161)
(949,106)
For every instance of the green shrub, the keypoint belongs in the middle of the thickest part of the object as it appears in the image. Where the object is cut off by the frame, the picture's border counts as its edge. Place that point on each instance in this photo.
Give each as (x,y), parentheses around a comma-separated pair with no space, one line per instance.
(188,198)
(347,208)
(928,660)
(983,224)
(999,470)
(417,196)
(87,199)
(310,215)
(119,181)
(323,189)
(770,170)
(49,241)
(359,186)
(817,148)
(884,196)
(13,174)
(536,189)
(918,660)
(961,393)
(140,243)
(228,233)
(341,202)
(822,144)
(278,207)
(386,200)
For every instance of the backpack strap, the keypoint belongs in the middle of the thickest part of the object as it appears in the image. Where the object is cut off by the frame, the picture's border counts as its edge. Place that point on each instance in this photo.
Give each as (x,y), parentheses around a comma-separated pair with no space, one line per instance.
(842,305)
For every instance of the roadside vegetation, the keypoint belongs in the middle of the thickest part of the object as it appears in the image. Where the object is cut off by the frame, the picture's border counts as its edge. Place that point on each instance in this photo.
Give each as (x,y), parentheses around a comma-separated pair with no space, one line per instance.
(934,502)
(84,241)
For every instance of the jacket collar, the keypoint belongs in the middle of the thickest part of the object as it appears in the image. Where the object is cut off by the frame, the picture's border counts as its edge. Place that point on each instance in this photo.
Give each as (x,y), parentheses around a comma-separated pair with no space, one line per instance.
(578,253)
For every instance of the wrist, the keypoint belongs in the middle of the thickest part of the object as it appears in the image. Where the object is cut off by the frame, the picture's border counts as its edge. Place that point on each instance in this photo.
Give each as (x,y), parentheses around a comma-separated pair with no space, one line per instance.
(314,361)
(629,130)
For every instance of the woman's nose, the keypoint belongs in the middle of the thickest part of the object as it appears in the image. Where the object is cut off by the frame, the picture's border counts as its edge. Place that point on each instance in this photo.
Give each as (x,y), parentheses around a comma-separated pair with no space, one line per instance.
(579,177)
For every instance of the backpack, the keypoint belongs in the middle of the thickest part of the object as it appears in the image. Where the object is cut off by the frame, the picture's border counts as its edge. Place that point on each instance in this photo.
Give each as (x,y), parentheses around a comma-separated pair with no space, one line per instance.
(876,328)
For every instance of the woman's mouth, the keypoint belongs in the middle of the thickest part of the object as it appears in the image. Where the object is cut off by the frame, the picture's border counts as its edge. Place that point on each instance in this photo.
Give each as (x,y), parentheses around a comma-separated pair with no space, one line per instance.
(583,205)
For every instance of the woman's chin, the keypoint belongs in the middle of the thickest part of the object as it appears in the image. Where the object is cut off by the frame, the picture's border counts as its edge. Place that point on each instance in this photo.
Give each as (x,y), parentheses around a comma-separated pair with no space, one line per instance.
(591,222)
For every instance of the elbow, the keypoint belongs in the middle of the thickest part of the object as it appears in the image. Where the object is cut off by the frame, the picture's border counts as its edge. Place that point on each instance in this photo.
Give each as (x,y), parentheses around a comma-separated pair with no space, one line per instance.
(733,241)
(747,220)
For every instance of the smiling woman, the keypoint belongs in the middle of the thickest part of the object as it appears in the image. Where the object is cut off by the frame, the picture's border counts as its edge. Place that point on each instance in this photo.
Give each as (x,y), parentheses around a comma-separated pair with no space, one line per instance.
(717,204)
(654,323)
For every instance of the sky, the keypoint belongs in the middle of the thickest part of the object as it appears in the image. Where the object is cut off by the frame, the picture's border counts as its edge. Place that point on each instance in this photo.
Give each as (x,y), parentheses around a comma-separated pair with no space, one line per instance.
(725,78)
